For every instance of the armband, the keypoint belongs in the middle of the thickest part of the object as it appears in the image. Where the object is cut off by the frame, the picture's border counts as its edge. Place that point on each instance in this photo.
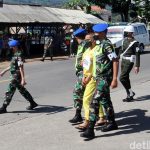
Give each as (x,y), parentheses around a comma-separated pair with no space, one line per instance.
(20,63)
(112,56)
(137,49)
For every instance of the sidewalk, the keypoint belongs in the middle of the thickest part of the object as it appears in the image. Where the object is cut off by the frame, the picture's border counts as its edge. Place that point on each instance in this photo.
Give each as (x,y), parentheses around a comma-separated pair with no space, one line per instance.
(52,131)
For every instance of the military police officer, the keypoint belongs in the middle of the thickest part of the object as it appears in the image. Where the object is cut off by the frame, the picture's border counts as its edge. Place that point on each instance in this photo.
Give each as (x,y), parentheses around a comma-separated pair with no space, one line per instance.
(105,72)
(17,78)
(129,54)
(79,87)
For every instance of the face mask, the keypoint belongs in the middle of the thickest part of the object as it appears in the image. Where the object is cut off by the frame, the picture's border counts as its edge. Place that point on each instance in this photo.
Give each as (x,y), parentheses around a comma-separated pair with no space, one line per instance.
(96,37)
(88,44)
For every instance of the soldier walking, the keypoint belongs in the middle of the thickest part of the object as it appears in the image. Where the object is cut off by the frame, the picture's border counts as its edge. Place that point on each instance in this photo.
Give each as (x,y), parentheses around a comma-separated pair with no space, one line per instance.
(17,78)
(89,83)
(105,71)
(79,87)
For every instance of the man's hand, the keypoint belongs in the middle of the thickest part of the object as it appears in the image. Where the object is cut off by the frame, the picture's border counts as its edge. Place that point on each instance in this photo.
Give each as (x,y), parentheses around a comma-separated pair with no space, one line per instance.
(114,83)
(136,70)
(86,80)
(2,73)
(83,81)
(23,82)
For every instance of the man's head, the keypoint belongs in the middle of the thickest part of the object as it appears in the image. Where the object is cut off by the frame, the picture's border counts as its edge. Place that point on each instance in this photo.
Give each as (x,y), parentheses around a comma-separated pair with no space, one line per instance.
(100,31)
(13,44)
(80,34)
(129,31)
(90,40)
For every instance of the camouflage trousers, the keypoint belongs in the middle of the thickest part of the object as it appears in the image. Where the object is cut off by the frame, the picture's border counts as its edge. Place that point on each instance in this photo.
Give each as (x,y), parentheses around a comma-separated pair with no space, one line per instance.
(14,84)
(48,51)
(101,96)
(78,92)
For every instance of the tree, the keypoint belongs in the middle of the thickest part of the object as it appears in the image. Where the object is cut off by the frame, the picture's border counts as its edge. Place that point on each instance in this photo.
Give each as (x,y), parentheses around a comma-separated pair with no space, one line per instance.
(118,6)
(123,7)
(143,8)
(74,4)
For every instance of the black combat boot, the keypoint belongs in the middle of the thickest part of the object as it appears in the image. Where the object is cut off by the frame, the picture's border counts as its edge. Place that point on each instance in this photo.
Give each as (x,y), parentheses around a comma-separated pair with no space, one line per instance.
(77,118)
(32,105)
(3,109)
(89,133)
(109,126)
(129,98)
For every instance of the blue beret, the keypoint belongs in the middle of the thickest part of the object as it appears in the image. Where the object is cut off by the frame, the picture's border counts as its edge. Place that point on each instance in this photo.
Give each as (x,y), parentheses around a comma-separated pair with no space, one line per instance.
(100,27)
(13,43)
(79,32)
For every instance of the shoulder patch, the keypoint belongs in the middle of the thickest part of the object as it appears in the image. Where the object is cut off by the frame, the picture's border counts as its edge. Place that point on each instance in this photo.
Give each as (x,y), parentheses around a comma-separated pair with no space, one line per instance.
(137,49)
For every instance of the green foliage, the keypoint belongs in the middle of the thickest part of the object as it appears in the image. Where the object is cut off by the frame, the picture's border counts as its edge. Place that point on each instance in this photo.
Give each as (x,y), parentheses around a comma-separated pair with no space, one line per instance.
(118,6)
(124,7)
(73,4)
(143,8)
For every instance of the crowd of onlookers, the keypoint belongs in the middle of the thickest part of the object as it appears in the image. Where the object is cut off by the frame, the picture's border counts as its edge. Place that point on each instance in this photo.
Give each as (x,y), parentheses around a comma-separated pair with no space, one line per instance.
(33,43)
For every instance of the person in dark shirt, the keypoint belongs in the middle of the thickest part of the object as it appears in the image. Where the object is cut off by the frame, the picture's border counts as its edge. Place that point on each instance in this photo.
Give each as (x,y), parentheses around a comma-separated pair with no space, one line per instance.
(129,55)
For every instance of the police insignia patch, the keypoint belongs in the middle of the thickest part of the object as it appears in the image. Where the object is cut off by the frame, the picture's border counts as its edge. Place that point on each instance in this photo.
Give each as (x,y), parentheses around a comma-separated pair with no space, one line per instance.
(137,49)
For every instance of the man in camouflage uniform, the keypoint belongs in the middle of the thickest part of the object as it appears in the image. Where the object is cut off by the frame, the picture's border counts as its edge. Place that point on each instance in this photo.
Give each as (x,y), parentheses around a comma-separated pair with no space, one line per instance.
(105,71)
(79,87)
(48,47)
(17,78)
(129,54)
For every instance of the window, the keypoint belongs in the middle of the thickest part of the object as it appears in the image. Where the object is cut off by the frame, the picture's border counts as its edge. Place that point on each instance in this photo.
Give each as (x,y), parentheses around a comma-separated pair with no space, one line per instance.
(142,29)
(136,31)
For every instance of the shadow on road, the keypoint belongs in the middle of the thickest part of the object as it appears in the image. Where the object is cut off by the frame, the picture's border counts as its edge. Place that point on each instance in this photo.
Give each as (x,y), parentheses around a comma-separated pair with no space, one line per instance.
(45,109)
(131,121)
(142,98)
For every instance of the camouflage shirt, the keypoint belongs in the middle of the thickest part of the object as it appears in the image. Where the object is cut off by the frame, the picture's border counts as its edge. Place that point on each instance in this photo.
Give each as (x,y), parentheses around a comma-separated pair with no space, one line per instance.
(16,61)
(102,65)
(80,51)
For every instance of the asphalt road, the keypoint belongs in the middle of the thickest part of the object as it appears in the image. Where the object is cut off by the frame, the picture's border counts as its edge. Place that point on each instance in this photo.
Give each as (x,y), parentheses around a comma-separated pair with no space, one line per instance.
(45,128)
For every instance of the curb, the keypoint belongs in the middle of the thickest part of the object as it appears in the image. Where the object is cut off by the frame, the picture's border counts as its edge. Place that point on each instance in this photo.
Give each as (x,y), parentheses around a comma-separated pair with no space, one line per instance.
(6,63)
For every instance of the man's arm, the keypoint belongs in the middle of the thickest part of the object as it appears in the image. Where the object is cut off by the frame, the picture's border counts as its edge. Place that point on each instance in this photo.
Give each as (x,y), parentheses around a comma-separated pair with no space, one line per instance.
(4,71)
(137,63)
(113,57)
(23,82)
(50,42)
(114,82)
